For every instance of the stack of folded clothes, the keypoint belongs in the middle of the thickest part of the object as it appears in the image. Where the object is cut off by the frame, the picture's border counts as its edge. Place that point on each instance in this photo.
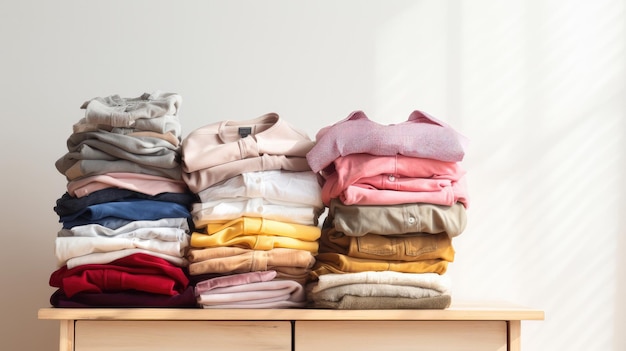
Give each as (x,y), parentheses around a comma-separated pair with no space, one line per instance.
(396,196)
(258,209)
(125,216)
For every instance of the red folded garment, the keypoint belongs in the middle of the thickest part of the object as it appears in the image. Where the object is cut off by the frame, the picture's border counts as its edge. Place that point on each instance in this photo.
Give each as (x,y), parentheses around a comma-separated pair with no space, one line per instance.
(138,272)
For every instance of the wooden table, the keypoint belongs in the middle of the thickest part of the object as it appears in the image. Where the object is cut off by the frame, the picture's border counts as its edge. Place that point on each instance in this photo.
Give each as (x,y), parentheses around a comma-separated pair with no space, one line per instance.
(484,326)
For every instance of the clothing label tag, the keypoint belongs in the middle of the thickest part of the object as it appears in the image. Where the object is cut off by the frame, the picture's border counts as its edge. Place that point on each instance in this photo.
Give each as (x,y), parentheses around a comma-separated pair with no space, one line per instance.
(245,131)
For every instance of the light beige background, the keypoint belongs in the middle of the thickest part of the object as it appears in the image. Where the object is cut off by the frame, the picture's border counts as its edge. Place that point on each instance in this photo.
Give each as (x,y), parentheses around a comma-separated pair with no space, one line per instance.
(538,86)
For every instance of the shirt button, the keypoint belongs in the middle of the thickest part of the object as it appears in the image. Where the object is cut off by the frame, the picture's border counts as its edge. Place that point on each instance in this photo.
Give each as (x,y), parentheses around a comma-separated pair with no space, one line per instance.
(411,220)
(392,178)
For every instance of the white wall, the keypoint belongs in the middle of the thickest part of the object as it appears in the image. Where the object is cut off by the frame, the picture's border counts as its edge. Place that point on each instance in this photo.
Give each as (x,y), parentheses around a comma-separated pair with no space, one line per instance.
(538,86)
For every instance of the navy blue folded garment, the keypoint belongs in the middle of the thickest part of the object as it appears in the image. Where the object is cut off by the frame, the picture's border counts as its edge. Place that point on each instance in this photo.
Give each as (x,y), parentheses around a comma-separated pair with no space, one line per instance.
(67,205)
(134,210)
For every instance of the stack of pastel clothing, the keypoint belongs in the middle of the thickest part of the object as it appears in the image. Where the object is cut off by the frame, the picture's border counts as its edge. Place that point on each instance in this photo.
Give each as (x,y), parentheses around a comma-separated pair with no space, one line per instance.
(396,196)
(125,216)
(259,204)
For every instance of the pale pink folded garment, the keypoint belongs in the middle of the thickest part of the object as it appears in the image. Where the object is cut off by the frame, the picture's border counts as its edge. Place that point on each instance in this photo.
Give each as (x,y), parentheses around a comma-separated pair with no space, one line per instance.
(274,304)
(261,292)
(235,279)
(142,183)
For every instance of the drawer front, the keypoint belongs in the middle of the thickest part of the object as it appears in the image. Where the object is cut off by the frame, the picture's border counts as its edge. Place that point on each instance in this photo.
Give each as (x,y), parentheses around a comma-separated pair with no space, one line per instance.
(182,335)
(400,335)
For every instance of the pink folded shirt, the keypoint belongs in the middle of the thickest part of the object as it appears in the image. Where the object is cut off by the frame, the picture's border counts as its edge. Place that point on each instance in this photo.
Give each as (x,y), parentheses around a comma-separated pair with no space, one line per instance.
(365,179)
(352,168)
(367,195)
(331,190)
(421,135)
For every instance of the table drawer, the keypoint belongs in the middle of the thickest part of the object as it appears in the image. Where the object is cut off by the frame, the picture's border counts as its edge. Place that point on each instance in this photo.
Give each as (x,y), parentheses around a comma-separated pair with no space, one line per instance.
(400,335)
(182,335)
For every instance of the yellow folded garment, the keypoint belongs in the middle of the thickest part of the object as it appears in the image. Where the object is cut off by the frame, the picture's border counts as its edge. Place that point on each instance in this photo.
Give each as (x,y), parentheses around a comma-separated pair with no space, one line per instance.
(254,225)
